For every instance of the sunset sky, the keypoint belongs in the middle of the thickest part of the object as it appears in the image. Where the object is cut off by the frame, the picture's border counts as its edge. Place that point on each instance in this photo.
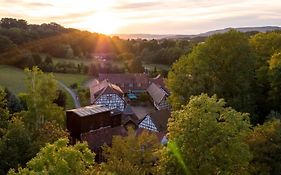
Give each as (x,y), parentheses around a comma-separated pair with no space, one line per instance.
(146,16)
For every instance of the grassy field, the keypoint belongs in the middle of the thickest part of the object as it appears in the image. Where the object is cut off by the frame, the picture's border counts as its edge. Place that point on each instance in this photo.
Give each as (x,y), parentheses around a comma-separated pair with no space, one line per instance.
(69,79)
(13,78)
(75,61)
(87,62)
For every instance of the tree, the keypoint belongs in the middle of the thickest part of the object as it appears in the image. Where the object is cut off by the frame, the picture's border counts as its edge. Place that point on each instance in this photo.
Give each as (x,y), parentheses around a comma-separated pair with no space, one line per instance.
(5,44)
(10,23)
(93,70)
(13,102)
(61,98)
(135,66)
(84,96)
(4,118)
(14,146)
(274,72)
(132,154)
(60,159)
(205,137)
(264,45)
(265,144)
(48,60)
(49,132)
(37,59)
(41,93)
(223,65)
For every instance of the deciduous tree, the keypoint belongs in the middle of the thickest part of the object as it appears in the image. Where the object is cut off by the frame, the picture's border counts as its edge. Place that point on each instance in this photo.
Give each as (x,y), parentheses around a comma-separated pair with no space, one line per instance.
(14,146)
(4,113)
(41,93)
(274,72)
(60,159)
(132,154)
(223,65)
(205,137)
(265,144)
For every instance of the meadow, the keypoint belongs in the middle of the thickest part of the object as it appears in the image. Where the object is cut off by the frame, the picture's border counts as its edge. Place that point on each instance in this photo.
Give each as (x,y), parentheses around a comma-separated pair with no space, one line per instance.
(14,79)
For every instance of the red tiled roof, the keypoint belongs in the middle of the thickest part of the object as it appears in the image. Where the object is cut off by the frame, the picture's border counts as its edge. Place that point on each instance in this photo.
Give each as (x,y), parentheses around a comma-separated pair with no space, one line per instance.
(160,119)
(131,82)
(104,87)
(156,92)
(127,82)
(102,136)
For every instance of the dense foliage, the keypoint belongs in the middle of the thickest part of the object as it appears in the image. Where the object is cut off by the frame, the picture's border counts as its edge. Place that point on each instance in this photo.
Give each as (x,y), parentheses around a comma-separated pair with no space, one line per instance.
(245,72)
(265,144)
(60,159)
(23,133)
(133,154)
(206,134)
(223,65)
(27,45)
(209,137)
(40,97)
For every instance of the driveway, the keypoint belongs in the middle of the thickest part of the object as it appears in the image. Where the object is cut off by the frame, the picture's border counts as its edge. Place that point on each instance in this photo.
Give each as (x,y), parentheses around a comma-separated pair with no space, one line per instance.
(72,93)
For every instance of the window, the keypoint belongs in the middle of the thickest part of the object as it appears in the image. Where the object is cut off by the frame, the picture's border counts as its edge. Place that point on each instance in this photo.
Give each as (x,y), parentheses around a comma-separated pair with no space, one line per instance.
(109,97)
(130,85)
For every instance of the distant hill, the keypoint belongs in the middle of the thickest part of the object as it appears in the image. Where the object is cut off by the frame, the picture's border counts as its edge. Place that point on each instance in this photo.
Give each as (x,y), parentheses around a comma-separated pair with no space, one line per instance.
(141,36)
(209,33)
(243,29)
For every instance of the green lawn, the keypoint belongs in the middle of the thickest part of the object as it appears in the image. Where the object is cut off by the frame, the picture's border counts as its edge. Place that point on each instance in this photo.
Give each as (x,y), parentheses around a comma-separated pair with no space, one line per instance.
(75,61)
(13,79)
(69,79)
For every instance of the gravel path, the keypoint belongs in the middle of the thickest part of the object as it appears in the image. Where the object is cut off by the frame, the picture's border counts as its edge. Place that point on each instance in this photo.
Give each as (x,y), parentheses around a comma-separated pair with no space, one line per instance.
(72,93)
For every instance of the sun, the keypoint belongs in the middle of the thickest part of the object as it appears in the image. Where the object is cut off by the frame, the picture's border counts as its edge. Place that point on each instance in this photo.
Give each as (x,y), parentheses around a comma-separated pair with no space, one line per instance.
(103,19)
(103,22)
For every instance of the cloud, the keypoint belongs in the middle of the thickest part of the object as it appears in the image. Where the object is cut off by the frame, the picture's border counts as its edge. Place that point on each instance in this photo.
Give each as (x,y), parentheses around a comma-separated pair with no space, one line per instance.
(151,16)
(137,6)
(38,4)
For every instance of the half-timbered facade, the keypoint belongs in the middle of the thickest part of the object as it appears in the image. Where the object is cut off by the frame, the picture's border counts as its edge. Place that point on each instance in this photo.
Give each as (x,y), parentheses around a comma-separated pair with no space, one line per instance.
(148,124)
(111,101)
(107,94)
(156,121)
(159,96)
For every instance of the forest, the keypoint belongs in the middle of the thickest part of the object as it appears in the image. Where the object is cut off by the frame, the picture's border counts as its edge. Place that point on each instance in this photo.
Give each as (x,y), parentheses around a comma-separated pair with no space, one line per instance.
(224,91)
(26,45)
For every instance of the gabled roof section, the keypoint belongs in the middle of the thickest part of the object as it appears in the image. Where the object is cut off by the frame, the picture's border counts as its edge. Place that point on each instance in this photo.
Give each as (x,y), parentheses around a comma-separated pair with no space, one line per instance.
(105,87)
(147,123)
(124,78)
(101,136)
(156,92)
(159,80)
(89,110)
(127,82)
(160,119)
(99,87)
